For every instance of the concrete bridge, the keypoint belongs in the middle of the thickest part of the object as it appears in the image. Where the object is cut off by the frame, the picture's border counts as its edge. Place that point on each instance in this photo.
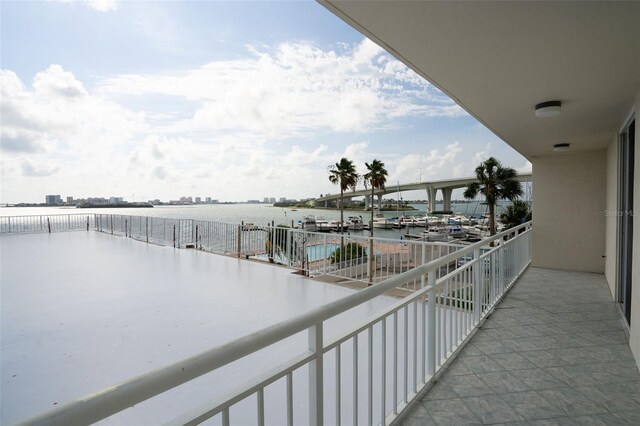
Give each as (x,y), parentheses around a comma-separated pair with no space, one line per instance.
(432,187)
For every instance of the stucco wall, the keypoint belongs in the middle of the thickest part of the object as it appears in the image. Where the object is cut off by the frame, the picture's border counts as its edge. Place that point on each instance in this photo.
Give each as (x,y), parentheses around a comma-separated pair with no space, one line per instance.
(569,211)
(635,290)
(610,265)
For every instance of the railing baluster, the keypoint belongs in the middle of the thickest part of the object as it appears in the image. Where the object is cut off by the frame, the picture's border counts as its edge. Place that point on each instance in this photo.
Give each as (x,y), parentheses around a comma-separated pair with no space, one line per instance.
(406,354)
(289,399)
(355,379)
(316,376)
(395,362)
(225,417)
(370,375)
(414,374)
(260,395)
(383,366)
(338,388)
(431,324)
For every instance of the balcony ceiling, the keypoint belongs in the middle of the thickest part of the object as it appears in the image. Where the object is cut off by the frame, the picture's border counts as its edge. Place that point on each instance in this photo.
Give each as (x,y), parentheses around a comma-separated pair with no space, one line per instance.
(497,60)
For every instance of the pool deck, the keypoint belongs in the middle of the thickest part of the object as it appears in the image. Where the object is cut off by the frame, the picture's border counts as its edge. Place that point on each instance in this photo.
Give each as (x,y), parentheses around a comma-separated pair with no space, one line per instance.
(554,352)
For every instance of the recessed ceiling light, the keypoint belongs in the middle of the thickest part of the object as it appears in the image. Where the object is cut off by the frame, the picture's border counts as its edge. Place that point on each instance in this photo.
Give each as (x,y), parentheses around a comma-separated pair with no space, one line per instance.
(548,109)
(561,147)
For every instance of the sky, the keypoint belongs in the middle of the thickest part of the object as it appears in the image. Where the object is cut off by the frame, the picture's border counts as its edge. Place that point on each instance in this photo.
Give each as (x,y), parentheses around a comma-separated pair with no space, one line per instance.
(229,100)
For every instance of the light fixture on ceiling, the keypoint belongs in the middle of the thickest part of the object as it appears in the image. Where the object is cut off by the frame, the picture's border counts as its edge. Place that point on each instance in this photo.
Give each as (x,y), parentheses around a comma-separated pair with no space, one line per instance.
(561,147)
(548,109)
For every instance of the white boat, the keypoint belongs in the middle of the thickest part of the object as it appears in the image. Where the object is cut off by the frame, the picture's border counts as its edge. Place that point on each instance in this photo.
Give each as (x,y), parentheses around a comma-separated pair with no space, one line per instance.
(456,231)
(436,234)
(334,225)
(355,223)
(323,225)
(310,224)
(379,221)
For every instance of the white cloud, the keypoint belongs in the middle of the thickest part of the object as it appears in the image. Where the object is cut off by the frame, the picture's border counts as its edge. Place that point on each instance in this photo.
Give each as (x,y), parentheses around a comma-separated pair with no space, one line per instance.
(525,168)
(436,164)
(293,89)
(99,5)
(30,168)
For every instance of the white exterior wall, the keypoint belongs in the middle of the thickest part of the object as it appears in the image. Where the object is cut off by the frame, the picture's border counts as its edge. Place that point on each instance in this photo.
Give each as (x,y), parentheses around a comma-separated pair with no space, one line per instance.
(635,292)
(568,211)
(611,261)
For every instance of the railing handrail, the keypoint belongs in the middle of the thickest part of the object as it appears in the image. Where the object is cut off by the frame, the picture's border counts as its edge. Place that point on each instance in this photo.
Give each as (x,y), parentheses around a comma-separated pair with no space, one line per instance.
(138,389)
(47,215)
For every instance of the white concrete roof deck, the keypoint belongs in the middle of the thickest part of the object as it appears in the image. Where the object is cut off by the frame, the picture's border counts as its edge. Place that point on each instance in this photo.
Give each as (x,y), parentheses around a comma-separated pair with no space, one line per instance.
(81,311)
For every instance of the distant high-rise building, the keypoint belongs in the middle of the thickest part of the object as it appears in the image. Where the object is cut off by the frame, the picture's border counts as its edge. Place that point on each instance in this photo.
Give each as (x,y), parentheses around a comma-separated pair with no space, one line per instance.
(198,200)
(266,199)
(53,200)
(97,200)
(272,199)
(186,200)
(116,200)
(69,200)
(208,199)
(282,199)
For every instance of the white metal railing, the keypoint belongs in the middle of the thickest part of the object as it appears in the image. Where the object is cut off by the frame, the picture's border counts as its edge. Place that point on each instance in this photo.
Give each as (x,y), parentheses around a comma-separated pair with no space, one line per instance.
(390,358)
(348,257)
(45,223)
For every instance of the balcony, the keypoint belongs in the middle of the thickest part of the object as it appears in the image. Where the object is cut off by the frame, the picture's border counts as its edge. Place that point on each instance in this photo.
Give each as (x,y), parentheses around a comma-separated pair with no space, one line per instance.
(554,351)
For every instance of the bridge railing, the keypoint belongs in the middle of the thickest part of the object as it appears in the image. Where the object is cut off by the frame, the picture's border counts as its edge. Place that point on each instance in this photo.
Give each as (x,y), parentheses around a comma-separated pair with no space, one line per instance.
(378,367)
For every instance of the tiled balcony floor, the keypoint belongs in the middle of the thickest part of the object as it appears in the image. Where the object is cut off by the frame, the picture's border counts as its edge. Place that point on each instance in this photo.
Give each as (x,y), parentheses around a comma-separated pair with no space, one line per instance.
(552,353)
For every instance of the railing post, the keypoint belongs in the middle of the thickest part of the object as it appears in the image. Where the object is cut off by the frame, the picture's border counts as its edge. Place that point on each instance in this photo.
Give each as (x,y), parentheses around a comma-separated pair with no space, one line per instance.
(316,376)
(324,261)
(87,223)
(477,298)
(501,268)
(289,244)
(239,241)
(423,261)
(431,324)
(174,235)
(370,261)
(49,225)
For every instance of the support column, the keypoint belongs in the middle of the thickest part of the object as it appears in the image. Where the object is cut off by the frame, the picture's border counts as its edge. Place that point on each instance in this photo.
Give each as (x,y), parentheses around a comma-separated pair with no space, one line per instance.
(379,201)
(432,198)
(326,204)
(446,197)
(367,202)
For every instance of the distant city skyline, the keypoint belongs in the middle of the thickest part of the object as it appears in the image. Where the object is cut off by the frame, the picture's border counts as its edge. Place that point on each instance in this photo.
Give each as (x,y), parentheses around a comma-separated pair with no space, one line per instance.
(234,99)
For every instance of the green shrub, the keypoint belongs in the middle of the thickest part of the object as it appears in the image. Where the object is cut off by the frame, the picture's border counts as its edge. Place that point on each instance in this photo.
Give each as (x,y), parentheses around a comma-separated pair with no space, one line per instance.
(349,251)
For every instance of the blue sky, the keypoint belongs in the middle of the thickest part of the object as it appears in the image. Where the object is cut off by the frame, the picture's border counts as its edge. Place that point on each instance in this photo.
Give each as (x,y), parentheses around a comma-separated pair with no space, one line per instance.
(233,100)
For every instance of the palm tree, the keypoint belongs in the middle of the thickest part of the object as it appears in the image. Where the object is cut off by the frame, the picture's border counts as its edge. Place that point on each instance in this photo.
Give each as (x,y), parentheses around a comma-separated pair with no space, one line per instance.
(496,183)
(343,174)
(516,214)
(376,177)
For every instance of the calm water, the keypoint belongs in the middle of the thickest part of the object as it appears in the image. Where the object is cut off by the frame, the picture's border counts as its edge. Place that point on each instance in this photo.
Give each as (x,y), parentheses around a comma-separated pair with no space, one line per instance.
(235,213)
